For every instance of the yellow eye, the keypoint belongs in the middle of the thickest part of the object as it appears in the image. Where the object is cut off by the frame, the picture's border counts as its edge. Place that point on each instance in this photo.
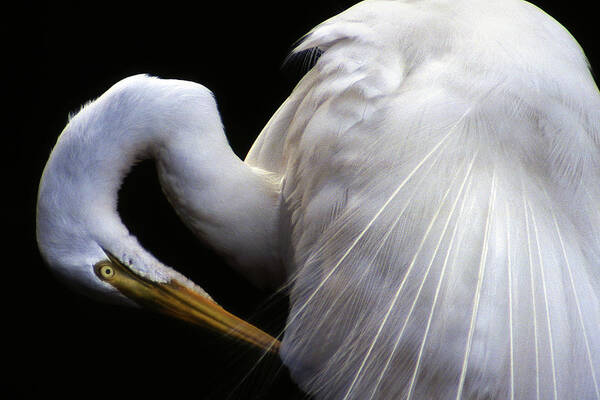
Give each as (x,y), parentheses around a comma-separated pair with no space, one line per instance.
(105,270)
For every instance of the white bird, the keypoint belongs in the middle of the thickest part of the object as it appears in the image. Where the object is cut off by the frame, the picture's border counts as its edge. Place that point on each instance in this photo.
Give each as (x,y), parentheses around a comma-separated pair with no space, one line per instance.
(429,193)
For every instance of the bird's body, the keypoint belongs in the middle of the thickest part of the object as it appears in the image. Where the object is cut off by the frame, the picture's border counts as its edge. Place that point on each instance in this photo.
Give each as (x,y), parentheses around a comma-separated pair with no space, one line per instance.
(441,200)
(431,191)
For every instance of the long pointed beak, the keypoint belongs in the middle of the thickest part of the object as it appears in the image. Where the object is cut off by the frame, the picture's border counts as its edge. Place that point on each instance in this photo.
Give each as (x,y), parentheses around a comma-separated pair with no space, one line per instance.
(179,301)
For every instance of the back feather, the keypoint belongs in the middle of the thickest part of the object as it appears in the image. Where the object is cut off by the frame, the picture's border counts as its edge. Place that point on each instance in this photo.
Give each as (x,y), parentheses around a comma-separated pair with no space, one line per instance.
(442,170)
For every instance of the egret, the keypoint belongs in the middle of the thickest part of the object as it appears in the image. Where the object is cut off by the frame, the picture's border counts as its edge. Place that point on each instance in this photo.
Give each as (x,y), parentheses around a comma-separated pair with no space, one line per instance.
(429,194)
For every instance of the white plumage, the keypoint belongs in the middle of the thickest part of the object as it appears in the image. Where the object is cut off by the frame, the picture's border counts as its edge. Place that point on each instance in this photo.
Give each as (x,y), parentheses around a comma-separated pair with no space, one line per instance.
(430,189)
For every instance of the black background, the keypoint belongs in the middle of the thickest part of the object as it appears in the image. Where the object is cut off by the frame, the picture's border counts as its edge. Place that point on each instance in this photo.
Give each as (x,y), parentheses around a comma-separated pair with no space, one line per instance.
(59,56)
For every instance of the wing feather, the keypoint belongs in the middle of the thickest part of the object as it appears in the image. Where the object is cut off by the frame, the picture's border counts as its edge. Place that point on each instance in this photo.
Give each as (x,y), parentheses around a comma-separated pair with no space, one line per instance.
(442,206)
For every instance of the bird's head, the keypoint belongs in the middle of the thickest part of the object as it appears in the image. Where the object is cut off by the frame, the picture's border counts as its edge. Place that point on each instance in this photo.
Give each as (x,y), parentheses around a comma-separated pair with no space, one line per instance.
(79,232)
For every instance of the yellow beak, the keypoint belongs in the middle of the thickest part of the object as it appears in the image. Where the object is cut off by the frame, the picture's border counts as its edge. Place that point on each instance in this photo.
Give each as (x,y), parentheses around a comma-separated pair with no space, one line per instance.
(177,300)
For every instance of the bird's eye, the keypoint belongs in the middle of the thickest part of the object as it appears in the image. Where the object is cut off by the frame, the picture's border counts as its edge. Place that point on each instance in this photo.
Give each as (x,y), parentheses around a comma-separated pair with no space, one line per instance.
(104,270)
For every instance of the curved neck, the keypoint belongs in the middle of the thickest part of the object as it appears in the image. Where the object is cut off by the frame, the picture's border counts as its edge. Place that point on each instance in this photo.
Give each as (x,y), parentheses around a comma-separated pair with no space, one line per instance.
(231,205)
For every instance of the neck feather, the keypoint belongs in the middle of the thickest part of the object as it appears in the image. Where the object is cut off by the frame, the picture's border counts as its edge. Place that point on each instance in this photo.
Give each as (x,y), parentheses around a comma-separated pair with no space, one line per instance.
(229,204)
(232,206)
